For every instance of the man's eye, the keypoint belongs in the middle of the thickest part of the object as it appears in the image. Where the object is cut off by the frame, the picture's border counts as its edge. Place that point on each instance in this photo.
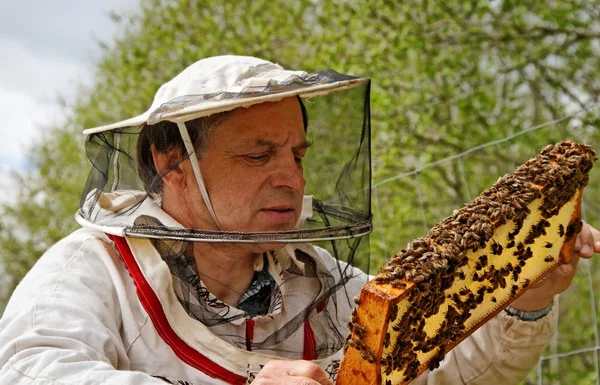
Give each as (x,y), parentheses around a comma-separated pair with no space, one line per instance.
(298,160)
(257,157)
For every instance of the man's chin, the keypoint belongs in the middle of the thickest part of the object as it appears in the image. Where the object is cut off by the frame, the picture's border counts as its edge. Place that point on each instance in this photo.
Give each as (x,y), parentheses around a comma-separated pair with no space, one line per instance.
(274,229)
(270,227)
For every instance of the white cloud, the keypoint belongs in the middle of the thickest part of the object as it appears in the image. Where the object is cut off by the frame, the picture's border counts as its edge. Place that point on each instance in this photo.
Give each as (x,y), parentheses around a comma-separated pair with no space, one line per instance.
(49,48)
(29,86)
(38,73)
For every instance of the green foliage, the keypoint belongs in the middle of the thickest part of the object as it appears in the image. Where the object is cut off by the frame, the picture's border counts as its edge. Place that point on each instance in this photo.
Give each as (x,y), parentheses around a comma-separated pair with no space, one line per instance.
(447,76)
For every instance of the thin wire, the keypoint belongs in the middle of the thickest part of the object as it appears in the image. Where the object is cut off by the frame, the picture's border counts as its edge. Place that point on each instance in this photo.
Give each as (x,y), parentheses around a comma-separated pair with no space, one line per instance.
(594,318)
(571,353)
(588,265)
(421,203)
(463,178)
(116,176)
(378,210)
(481,146)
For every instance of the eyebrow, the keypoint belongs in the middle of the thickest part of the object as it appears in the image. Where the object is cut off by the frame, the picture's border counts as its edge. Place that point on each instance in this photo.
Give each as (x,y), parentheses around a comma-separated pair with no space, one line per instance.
(265,142)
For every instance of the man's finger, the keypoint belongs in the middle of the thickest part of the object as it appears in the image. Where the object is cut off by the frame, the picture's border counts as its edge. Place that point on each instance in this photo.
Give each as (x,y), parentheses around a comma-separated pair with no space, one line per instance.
(596,238)
(300,372)
(585,241)
(309,370)
(577,246)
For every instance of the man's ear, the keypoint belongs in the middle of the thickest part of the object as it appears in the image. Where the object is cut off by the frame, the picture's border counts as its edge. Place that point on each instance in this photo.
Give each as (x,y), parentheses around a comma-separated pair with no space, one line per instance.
(170,166)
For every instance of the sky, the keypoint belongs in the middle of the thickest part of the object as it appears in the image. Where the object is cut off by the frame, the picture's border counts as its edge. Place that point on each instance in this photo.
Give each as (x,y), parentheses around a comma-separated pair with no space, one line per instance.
(47,48)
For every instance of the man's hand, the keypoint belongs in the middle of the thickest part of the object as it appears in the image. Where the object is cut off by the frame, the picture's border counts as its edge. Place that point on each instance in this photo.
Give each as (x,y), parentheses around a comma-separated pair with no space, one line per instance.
(540,296)
(290,373)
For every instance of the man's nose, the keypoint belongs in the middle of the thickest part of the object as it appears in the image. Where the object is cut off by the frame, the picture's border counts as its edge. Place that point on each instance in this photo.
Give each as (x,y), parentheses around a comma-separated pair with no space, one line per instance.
(288,173)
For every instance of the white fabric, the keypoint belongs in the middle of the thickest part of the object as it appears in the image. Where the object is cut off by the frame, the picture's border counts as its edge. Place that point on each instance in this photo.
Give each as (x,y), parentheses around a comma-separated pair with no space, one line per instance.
(218,75)
(191,152)
(76,319)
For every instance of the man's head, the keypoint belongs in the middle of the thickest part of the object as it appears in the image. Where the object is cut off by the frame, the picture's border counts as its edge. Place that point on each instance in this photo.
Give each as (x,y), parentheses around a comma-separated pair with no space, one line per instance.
(183,150)
(251,164)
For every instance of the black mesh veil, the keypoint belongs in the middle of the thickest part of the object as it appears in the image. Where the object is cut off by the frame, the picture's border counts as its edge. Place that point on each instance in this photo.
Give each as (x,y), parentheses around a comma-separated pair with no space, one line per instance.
(336,216)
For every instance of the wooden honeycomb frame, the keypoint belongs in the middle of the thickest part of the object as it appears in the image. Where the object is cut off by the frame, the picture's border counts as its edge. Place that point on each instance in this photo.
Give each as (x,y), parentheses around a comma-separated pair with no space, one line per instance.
(470,266)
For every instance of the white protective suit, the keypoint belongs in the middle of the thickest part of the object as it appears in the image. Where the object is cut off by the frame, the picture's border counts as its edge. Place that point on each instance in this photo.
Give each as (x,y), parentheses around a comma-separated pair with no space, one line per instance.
(87,314)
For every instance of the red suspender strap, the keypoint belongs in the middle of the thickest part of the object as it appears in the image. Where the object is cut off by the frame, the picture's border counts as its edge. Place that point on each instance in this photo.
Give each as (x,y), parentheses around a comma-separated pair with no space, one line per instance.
(249,334)
(153,307)
(310,344)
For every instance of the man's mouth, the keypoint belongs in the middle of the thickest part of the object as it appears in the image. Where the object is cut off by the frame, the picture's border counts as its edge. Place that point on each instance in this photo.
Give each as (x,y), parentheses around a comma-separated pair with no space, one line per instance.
(280,214)
(279,209)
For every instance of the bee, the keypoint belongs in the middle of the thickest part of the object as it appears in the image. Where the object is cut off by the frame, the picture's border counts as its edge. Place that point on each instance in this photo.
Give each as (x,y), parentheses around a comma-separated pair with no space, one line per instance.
(366,358)
(573,229)
(356,343)
(561,230)
(357,300)
(510,244)
(513,289)
(548,245)
(522,263)
(496,248)
(493,299)
(502,282)
(461,275)
(549,259)
(393,312)
(526,283)
(483,260)
(359,330)
(388,371)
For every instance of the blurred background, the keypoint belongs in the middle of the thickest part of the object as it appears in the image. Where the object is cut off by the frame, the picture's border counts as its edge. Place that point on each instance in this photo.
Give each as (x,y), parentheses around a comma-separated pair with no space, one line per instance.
(463,92)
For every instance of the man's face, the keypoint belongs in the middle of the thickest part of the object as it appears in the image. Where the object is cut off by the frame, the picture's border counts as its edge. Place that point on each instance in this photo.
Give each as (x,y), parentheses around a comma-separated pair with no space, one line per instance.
(253,167)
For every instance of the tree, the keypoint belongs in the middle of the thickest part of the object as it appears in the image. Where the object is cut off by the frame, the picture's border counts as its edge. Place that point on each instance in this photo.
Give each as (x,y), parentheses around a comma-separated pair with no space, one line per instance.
(447,76)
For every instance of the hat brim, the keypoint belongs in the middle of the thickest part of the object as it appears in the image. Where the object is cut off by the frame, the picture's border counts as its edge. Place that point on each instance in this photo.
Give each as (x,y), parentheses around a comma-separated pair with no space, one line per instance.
(198,107)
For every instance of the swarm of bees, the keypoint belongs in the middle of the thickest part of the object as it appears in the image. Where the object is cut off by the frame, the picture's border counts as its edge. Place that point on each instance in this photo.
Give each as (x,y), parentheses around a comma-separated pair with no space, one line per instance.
(467,268)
